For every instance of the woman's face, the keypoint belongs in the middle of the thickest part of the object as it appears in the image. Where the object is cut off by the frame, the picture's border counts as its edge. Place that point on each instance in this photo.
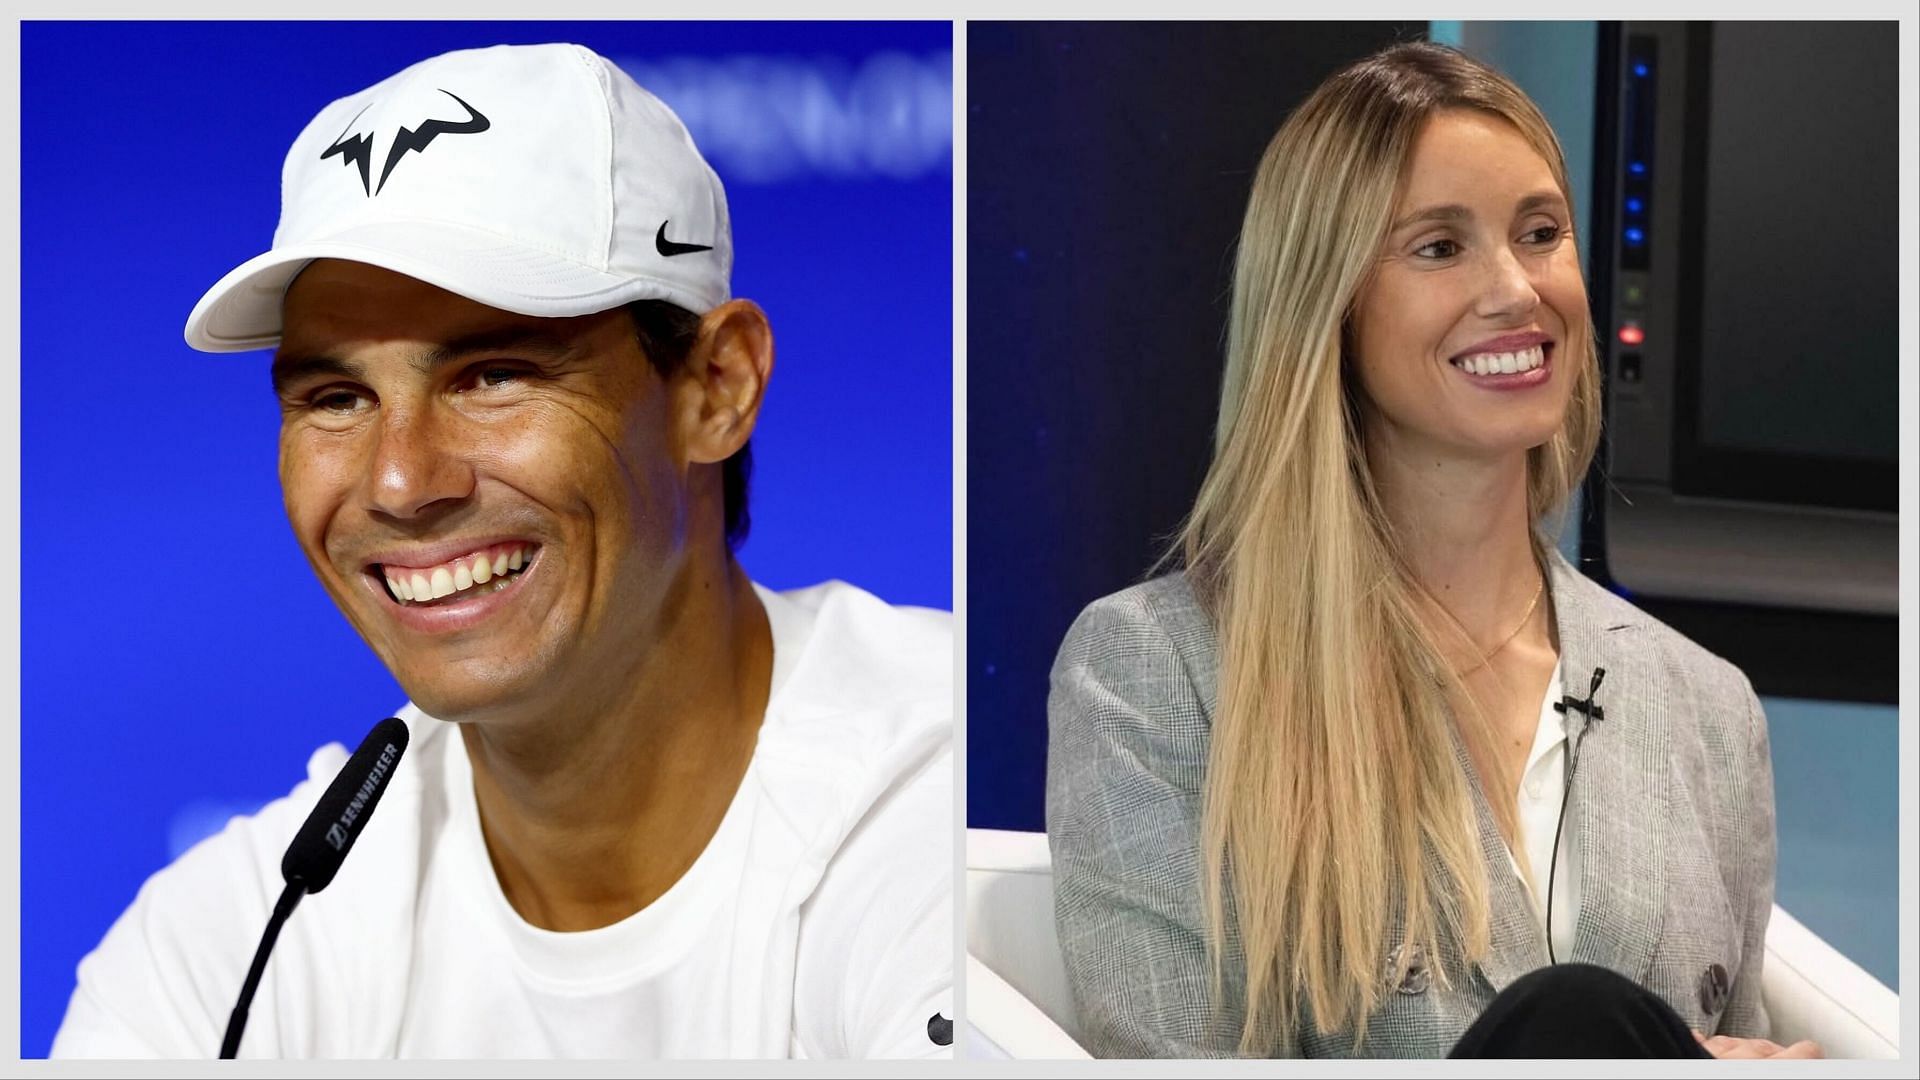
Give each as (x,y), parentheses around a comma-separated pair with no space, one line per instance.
(1459,337)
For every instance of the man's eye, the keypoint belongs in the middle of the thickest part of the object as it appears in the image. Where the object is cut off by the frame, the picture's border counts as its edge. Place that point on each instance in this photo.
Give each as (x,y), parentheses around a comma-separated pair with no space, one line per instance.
(337,400)
(491,375)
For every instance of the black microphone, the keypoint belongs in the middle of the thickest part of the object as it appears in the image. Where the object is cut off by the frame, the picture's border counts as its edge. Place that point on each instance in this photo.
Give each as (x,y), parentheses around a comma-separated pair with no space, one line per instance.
(322,843)
(1586,708)
(321,846)
(1592,713)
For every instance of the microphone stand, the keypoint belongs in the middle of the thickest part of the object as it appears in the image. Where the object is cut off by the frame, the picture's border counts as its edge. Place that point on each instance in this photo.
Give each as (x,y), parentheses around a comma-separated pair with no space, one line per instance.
(237,1023)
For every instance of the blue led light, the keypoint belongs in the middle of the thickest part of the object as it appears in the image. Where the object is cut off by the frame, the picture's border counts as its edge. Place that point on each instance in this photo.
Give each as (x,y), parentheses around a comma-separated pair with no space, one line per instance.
(1636,236)
(1640,70)
(1637,168)
(1634,206)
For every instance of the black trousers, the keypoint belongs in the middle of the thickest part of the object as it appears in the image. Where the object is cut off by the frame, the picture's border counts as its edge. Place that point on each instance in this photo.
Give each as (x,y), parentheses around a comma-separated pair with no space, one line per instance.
(1578,1011)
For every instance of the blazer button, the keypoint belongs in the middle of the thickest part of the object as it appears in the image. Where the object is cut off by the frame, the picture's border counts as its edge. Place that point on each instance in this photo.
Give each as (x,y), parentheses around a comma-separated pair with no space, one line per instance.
(1418,977)
(1714,986)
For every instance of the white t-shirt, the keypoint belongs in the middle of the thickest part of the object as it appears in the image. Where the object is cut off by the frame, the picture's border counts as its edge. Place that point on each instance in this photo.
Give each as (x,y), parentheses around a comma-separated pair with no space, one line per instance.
(818,922)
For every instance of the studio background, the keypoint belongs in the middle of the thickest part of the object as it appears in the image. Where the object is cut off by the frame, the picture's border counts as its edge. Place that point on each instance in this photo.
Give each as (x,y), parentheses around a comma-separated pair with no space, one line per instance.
(1102,218)
(179,662)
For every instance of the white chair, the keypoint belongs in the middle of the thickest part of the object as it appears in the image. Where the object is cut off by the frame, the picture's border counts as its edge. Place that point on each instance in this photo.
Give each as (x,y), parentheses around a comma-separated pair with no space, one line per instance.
(1018,1003)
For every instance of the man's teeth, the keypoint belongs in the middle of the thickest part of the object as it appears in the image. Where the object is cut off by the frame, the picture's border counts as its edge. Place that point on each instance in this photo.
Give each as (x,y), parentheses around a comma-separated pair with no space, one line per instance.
(1506,363)
(421,586)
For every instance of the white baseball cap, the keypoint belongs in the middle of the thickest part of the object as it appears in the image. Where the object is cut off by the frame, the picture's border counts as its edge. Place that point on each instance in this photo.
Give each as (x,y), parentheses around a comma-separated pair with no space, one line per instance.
(539,179)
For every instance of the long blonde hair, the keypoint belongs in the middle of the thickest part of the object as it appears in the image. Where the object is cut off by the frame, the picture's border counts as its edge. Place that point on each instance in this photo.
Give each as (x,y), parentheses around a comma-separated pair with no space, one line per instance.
(1333,782)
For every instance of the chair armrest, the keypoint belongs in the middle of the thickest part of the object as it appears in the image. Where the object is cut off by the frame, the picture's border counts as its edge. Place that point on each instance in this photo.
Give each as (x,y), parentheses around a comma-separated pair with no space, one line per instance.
(1812,991)
(1015,1026)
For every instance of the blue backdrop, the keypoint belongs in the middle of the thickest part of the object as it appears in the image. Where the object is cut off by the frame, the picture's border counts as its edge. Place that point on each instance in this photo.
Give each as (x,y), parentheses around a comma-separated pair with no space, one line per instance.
(179,663)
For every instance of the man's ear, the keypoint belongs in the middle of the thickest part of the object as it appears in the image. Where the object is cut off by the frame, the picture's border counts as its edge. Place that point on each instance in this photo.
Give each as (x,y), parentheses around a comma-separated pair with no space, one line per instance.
(726,379)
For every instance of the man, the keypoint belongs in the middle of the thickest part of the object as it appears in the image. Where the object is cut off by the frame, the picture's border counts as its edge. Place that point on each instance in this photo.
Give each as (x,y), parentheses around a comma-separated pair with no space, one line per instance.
(649,808)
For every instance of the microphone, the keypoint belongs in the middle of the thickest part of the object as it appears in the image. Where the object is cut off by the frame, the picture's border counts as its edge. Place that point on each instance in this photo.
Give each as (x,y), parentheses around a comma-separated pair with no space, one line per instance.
(1586,708)
(1592,713)
(321,846)
(322,843)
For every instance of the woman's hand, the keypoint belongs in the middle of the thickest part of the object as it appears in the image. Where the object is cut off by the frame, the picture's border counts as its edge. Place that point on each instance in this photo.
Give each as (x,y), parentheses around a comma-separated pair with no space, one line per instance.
(1729,1046)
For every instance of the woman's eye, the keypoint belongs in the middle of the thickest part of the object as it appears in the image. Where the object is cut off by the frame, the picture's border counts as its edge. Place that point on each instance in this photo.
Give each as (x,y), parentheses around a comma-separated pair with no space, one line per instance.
(1545,234)
(1437,249)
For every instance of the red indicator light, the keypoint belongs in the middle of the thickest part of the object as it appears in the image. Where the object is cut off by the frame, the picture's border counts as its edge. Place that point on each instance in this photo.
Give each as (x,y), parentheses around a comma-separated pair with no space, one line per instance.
(1631,334)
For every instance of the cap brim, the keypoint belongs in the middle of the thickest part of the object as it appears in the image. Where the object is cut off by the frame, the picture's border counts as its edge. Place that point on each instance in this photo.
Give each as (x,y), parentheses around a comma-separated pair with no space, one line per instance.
(242,310)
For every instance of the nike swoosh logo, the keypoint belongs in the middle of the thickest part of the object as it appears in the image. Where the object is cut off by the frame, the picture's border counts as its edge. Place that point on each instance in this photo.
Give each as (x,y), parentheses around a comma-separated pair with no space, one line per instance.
(670,249)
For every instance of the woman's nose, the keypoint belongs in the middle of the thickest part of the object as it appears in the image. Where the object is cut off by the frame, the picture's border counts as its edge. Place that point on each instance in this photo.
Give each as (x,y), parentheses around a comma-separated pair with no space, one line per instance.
(1507,292)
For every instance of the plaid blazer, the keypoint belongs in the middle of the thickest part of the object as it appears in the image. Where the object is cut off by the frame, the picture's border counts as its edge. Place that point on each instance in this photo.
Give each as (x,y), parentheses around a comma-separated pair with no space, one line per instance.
(1672,801)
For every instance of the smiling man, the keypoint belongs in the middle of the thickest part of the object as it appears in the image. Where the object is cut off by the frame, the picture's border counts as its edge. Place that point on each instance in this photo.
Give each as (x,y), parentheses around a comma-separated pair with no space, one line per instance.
(651,809)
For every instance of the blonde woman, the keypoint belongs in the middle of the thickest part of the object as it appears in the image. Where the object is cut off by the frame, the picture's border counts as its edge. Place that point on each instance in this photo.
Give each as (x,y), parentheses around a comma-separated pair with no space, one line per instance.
(1378,772)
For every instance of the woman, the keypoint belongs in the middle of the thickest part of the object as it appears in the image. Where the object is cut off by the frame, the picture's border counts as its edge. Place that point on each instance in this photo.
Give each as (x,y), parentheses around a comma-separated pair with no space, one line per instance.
(1306,796)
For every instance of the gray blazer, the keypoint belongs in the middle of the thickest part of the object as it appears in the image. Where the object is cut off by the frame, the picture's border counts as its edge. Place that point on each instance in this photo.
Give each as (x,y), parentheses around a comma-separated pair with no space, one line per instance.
(1672,800)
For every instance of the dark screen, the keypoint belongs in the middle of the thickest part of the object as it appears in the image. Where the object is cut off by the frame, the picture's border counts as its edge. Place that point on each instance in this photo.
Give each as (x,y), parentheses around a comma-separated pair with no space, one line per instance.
(1800,263)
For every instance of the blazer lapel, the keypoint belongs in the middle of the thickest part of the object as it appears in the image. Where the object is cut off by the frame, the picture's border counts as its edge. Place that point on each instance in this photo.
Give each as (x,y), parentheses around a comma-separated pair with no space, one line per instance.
(1618,801)
(1515,945)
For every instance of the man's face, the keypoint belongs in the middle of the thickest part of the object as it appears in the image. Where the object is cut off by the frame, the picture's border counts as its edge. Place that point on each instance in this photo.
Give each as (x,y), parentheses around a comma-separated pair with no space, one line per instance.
(430,444)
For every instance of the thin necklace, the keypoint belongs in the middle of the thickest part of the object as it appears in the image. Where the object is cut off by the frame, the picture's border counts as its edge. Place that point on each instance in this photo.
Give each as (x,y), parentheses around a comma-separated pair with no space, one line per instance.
(1505,641)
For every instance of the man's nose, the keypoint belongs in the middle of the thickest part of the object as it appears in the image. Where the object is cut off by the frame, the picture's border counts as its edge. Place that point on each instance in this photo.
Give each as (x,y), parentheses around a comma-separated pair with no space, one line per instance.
(419,462)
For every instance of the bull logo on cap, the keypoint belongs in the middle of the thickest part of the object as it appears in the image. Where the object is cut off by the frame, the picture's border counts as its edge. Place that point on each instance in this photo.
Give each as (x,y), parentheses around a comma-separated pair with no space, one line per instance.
(358,149)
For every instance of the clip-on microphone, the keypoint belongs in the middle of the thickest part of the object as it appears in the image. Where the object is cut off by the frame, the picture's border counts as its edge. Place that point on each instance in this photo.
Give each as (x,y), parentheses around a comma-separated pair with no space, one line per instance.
(1593,713)
(1587,707)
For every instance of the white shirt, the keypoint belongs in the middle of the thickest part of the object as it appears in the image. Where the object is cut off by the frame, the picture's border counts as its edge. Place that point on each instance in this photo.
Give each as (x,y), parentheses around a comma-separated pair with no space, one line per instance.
(817,922)
(1542,791)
